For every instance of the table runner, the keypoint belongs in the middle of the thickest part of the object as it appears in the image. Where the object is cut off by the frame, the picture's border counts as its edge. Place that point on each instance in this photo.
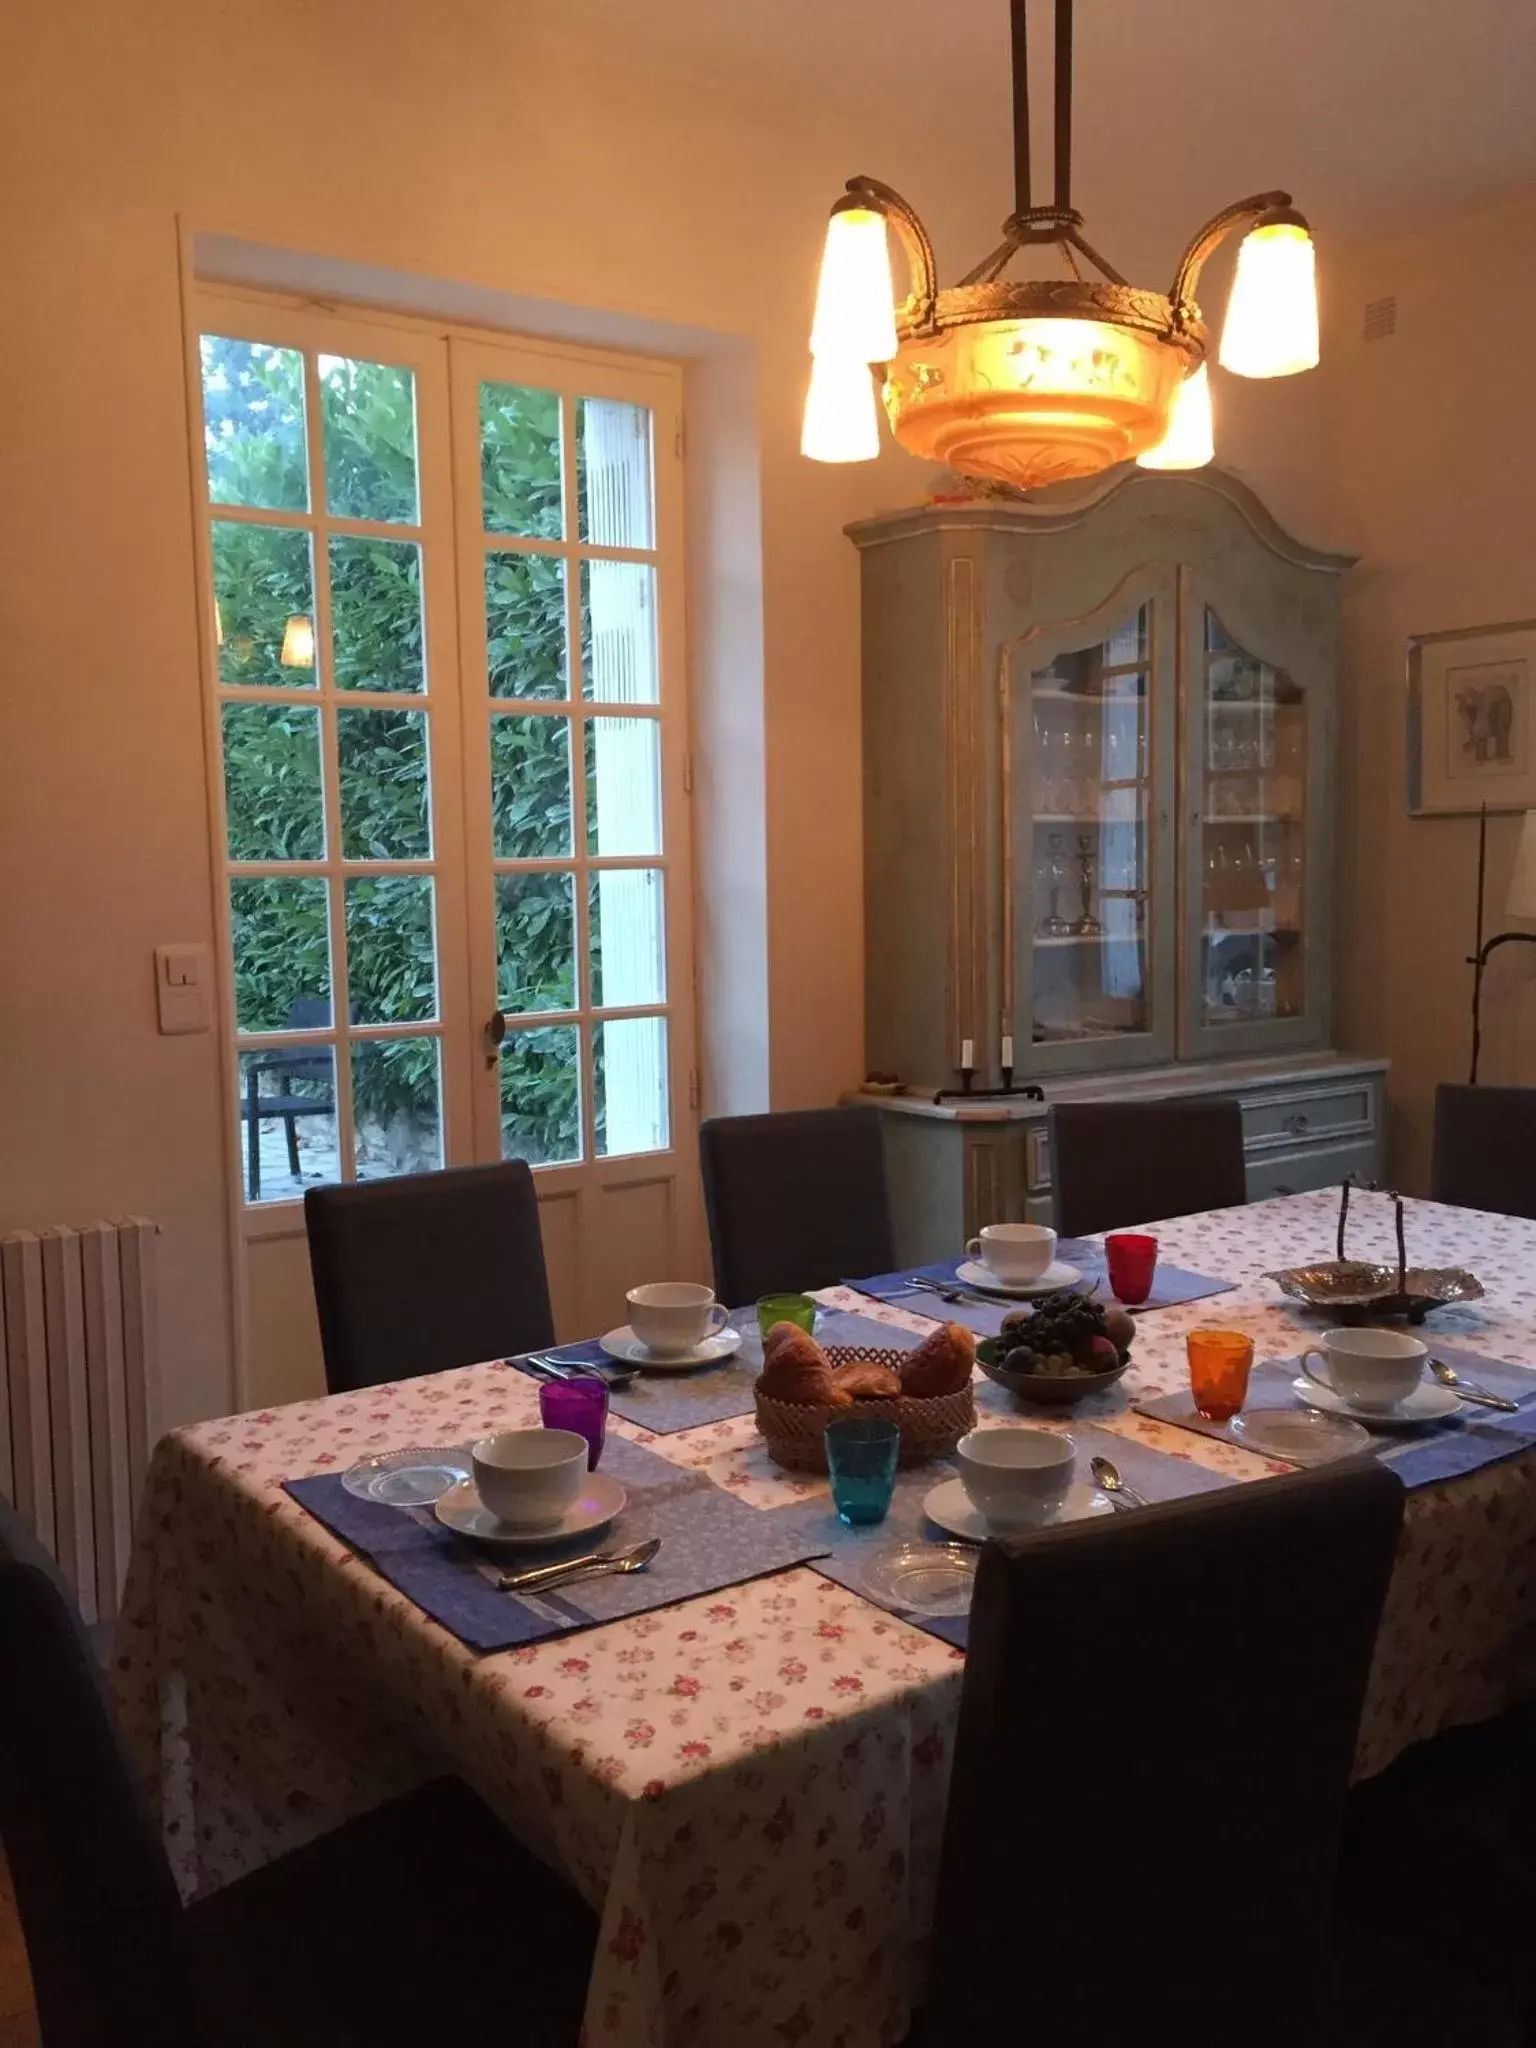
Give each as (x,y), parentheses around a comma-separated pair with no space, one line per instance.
(667,1402)
(1171,1286)
(709,1541)
(1456,1445)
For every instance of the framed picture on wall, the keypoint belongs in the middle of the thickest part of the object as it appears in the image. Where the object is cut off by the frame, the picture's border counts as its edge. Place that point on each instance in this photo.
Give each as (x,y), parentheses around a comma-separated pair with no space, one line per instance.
(1472,720)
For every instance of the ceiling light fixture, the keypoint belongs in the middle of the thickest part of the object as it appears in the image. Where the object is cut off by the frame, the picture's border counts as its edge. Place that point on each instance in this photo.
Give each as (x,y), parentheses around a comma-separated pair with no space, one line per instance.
(1032,381)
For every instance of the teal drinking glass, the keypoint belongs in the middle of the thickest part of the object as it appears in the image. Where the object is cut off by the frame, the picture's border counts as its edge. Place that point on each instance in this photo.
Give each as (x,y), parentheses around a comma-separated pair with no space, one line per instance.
(861,1458)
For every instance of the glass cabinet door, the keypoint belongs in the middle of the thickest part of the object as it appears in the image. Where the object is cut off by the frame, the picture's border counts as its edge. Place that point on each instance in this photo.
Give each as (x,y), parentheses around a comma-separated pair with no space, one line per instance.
(1251,735)
(1085,848)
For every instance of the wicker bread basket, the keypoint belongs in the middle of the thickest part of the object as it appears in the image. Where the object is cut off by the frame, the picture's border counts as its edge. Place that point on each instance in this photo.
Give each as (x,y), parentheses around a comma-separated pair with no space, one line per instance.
(794,1431)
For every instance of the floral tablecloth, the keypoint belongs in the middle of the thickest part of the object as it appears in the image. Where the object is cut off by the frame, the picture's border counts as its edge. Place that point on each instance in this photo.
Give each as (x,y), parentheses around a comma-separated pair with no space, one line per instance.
(748,1787)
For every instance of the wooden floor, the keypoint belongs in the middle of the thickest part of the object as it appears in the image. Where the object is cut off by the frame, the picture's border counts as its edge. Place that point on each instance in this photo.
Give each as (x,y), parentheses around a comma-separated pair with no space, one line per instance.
(18,2028)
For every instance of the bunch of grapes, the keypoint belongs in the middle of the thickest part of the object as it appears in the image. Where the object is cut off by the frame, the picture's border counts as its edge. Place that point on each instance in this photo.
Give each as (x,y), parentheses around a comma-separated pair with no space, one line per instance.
(1066,1333)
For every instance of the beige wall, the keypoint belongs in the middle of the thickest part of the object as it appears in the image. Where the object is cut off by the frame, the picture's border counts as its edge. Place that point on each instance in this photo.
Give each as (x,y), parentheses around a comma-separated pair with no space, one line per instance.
(454,142)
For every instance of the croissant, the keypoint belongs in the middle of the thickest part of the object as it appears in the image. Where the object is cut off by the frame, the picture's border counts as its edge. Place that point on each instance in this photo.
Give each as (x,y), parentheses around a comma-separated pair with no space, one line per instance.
(941,1364)
(866,1381)
(795,1369)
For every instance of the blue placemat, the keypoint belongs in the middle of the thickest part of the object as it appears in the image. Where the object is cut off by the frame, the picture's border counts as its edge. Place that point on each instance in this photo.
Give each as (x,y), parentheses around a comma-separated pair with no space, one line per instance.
(1460,1443)
(1170,1286)
(851,1553)
(709,1540)
(665,1402)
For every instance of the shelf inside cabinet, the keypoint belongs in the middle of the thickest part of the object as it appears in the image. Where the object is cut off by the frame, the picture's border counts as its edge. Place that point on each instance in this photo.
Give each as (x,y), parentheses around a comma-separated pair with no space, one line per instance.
(1089,939)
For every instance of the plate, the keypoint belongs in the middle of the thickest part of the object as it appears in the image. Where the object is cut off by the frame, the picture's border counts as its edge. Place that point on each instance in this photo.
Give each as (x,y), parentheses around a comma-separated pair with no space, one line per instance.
(924,1578)
(1427,1403)
(411,1478)
(1303,1436)
(971,1273)
(623,1344)
(460,1510)
(950,1506)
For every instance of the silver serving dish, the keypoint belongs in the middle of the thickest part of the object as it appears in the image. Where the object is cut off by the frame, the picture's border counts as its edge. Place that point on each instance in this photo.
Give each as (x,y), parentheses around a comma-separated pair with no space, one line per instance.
(1354,1290)
(1360,1290)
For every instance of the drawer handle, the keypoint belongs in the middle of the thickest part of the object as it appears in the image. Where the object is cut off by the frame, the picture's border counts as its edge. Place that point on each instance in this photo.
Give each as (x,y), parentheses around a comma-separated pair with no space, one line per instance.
(1296,1122)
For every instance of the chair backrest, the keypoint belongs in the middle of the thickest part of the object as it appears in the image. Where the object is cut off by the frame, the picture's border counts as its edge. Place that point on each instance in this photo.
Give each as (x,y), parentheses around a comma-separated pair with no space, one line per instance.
(427,1271)
(795,1200)
(1117,1164)
(1157,1723)
(1485,1148)
(98,1905)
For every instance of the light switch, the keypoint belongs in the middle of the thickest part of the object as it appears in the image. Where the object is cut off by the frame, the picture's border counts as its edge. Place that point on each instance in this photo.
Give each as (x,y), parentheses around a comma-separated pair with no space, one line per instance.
(182,977)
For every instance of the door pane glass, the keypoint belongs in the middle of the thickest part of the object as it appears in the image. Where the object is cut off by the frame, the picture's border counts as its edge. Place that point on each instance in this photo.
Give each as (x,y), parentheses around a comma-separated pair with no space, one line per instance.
(253,424)
(370,439)
(1253,836)
(282,953)
(262,581)
(623,785)
(618,632)
(287,1121)
(630,1069)
(376,624)
(1088,852)
(531,788)
(613,473)
(397,1113)
(383,762)
(391,950)
(272,782)
(520,469)
(536,942)
(628,937)
(541,1095)
(525,626)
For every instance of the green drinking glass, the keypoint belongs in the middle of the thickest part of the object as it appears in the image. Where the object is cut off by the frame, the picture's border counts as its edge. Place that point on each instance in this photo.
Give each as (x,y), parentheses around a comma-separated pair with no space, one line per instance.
(798,1309)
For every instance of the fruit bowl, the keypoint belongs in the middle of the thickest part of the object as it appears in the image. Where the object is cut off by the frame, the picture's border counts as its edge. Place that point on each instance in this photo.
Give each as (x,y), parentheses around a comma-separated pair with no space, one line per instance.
(1076,1346)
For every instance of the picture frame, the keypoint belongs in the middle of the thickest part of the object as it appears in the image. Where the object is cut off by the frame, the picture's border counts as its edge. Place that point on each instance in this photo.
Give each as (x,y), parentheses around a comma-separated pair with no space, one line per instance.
(1472,720)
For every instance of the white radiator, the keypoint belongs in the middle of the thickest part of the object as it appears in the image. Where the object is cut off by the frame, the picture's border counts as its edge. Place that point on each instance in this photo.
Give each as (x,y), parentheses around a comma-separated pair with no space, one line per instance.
(78,1356)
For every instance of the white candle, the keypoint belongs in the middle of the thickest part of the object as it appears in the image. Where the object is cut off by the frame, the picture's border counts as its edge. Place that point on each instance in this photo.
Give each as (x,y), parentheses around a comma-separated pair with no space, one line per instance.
(967,1055)
(1008,1052)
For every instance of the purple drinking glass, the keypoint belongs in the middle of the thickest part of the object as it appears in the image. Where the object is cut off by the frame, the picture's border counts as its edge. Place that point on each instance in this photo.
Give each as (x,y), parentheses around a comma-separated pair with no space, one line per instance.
(579,1404)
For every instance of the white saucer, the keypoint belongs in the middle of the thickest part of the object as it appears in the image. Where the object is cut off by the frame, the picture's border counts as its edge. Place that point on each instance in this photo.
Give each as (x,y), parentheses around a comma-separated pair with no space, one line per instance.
(460,1510)
(624,1344)
(950,1506)
(1059,1274)
(1428,1402)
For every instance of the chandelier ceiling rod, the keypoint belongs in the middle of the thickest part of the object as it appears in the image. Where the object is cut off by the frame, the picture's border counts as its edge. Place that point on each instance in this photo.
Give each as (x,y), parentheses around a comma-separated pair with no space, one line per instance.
(1063,135)
(1021,191)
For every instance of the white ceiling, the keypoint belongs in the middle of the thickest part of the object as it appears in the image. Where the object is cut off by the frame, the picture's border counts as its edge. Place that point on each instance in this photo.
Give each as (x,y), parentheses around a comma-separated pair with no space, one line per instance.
(1370,111)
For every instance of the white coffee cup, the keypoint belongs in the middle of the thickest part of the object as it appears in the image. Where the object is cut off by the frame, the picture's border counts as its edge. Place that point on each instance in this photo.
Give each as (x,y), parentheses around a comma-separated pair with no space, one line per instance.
(671,1317)
(1014,1251)
(1018,1478)
(528,1478)
(1372,1369)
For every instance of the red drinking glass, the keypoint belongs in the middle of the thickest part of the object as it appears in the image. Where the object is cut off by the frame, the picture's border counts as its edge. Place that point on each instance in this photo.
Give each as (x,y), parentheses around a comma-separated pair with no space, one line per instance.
(1132,1260)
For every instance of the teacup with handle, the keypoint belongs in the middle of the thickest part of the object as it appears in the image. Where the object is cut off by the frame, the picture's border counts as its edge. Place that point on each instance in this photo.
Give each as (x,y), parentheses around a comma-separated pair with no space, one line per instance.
(1370,1369)
(673,1317)
(1015,1253)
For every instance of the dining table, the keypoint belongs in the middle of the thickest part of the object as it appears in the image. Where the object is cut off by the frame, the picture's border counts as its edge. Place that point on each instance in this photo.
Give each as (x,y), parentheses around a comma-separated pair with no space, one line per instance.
(748,1787)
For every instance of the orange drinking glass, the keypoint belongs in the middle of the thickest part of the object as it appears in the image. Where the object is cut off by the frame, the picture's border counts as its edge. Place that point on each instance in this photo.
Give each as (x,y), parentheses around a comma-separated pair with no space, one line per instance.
(1219,1364)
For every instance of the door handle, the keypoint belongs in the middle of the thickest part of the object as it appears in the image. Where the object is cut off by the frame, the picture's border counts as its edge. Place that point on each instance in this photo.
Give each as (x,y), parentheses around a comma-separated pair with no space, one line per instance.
(495,1031)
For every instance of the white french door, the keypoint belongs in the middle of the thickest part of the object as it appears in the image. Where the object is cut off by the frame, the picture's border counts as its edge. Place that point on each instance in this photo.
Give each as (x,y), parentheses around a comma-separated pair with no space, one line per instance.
(448,727)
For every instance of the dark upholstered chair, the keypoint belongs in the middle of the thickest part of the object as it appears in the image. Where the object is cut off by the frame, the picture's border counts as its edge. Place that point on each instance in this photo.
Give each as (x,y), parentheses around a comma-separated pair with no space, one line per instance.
(354,1941)
(426,1272)
(1118,1164)
(795,1200)
(1485,1148)
(1157,1726)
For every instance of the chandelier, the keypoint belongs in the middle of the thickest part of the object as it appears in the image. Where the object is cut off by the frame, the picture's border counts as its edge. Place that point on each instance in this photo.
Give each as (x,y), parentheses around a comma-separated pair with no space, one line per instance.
(1031,381)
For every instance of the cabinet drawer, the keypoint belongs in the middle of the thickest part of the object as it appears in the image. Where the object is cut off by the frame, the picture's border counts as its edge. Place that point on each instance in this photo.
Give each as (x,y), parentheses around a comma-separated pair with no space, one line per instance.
(1309,1116)
(1317,1166)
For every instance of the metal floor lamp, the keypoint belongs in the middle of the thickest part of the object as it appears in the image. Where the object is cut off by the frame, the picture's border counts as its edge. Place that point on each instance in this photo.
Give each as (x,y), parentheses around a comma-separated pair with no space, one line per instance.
(1519,901)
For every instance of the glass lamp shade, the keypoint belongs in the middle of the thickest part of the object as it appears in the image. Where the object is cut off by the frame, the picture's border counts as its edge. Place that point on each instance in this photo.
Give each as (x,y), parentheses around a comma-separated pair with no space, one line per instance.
(1271,324)
(1521,899)
(855,315)
(842,422)
(1190,441)
(298,649)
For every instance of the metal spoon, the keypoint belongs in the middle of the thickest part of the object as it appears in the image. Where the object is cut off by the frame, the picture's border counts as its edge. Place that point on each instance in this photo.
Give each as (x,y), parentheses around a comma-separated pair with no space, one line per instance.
(1107,1478)
(918,1285)
(540,1577)
(1448,1376)
(573,1369)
